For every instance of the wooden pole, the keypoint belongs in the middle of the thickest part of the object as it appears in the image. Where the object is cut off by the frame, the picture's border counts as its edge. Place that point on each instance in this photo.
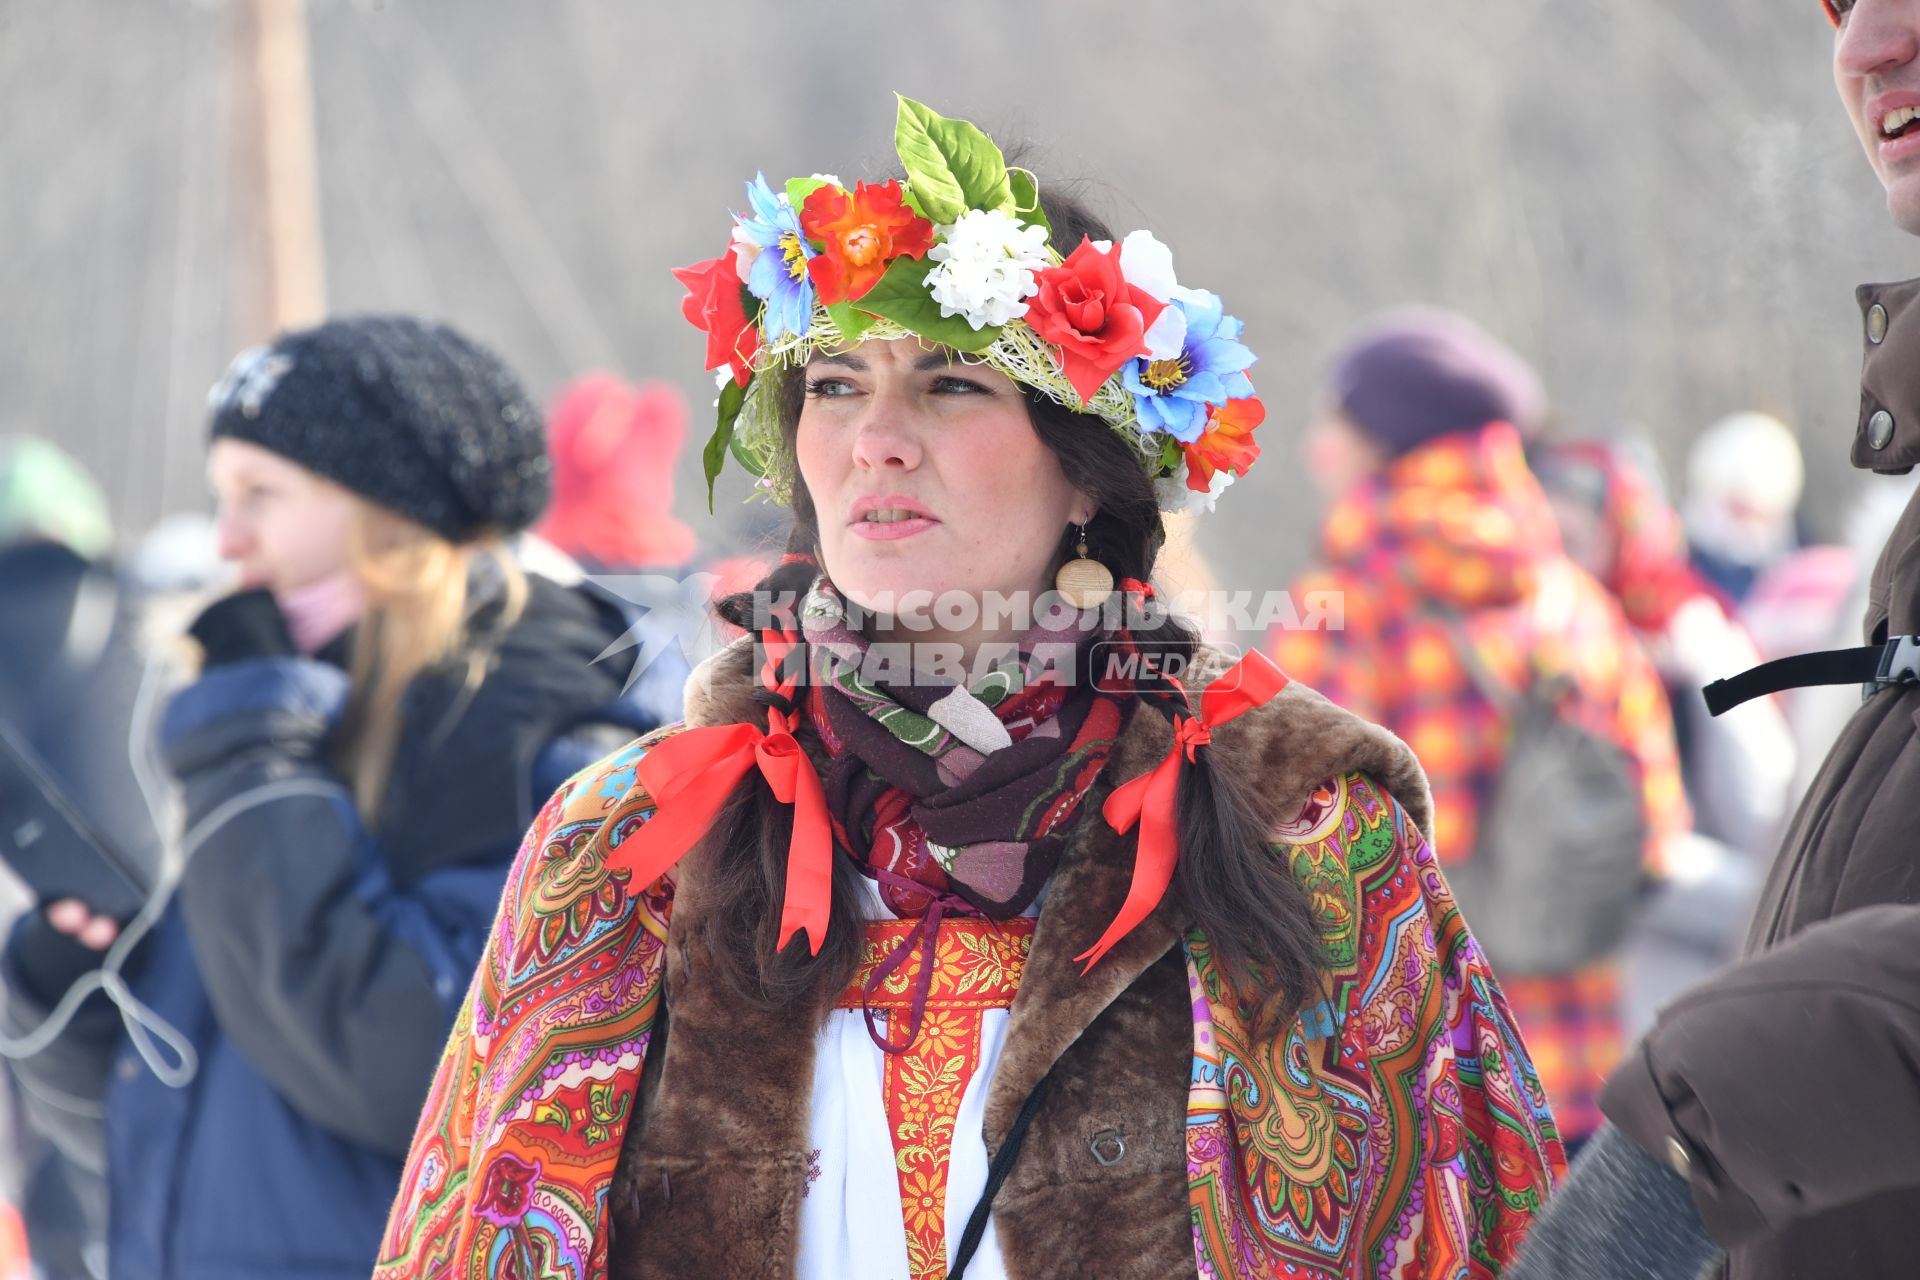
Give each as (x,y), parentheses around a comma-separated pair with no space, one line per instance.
(281,275)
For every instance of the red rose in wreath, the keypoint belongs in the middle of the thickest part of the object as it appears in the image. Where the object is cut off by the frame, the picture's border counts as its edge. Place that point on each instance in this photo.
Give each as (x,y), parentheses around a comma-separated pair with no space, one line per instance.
(1086,308)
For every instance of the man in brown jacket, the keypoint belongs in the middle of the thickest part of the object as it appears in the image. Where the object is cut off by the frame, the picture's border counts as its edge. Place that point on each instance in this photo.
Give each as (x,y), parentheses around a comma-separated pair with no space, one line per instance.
(1785,1093)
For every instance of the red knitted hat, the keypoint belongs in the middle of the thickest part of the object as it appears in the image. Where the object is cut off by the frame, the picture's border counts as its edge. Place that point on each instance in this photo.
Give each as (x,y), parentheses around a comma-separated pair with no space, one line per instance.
(614,446)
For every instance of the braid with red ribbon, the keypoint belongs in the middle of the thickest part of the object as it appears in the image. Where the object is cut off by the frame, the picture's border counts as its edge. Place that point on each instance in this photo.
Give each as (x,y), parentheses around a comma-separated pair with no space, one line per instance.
(1152,801)
(690,776)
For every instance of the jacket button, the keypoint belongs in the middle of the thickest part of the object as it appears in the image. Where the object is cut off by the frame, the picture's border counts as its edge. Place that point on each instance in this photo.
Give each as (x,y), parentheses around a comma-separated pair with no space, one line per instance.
(1677,1157)
(1876,324)
(1880,429)
(1108,1147)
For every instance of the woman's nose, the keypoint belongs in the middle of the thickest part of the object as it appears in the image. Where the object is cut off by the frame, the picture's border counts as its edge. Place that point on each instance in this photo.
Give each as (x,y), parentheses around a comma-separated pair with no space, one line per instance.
(231,539)
(885,439)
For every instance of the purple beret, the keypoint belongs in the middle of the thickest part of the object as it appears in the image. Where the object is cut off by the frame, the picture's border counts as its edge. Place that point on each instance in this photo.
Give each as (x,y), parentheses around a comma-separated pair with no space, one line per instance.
(1418,374)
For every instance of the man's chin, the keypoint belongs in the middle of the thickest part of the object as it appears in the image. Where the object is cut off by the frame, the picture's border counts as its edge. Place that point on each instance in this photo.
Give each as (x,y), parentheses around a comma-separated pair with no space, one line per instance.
(1903,203)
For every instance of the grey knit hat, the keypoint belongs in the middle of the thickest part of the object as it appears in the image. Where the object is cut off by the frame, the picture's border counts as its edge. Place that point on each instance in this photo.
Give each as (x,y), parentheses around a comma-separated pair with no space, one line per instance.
(407,413)
(1418,373)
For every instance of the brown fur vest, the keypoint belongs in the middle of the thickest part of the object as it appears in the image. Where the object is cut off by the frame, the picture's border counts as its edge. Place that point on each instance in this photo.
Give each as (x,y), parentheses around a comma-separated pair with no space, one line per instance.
(711,1173)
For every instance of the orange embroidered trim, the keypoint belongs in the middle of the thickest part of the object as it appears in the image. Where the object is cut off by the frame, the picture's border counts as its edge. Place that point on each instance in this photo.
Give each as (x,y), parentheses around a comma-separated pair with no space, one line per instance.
(977,966)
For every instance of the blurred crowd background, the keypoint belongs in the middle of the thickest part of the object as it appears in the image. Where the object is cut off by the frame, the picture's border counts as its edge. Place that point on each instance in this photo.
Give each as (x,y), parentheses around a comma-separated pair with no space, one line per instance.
(1655,205)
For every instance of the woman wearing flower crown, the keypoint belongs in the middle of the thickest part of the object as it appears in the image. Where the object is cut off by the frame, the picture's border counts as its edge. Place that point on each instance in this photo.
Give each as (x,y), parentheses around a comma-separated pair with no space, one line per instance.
(1022,943)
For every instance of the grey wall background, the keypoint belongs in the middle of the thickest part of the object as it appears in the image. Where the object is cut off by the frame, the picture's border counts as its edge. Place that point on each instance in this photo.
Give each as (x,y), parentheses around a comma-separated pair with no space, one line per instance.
(1661,204)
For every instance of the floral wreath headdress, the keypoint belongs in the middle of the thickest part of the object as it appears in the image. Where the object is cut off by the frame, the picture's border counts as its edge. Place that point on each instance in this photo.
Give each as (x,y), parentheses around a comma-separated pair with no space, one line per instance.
(959,256)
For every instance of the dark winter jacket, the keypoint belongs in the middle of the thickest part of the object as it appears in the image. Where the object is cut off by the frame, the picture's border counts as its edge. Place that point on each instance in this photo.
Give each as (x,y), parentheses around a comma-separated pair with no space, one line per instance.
(70,671)
(314,964)
(70,674)
(1796,1176)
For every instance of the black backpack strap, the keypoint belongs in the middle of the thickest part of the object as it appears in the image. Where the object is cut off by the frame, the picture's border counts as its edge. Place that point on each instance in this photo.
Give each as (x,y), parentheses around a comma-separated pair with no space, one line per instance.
(1876,665)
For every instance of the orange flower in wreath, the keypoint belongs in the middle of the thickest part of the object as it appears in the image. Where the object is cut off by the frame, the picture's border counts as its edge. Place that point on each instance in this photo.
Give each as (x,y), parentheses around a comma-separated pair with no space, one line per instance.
(859,234)
(1227,443)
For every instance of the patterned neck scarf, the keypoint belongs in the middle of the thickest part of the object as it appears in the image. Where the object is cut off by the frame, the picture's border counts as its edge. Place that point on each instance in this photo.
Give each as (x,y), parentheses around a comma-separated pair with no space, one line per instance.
(949,795)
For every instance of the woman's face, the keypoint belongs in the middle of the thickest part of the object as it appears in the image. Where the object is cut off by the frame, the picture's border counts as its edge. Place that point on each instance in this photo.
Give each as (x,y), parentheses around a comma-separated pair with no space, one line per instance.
(927,475)
(281,525)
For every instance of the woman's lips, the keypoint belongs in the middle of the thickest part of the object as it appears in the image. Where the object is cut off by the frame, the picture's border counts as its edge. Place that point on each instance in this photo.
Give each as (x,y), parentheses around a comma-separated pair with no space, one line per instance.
(890,530)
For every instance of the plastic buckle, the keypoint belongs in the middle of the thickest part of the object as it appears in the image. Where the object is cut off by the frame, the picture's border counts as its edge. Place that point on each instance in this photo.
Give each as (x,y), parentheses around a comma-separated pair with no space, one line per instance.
(1899,661)
(1899,665)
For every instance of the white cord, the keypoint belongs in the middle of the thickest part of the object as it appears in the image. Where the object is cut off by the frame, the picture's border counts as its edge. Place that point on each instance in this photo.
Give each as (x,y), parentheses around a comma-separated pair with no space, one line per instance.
(143,747)
(148,1031)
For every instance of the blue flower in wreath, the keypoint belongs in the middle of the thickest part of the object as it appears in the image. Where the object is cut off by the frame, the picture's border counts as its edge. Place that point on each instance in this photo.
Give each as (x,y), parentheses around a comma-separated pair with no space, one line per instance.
(778,276)
(1173,394)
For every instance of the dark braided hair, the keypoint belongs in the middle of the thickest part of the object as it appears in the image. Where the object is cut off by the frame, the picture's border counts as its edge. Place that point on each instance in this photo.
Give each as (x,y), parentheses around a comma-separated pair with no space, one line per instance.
(1228,881)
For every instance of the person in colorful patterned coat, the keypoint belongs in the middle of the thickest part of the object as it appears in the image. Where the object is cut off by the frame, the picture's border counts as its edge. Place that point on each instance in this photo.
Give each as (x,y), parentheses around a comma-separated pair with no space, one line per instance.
(1444,550)
(990,947)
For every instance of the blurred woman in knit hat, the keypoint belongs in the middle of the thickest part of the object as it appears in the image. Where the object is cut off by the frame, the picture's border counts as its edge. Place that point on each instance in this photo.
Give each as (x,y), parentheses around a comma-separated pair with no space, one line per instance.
(1462,613)
(383,703)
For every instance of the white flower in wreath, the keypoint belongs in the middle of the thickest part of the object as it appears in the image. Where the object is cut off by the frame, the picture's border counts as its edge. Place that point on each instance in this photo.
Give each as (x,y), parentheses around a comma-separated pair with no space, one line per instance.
(1177,499)
(744,251)
(987,262)
(1147,264)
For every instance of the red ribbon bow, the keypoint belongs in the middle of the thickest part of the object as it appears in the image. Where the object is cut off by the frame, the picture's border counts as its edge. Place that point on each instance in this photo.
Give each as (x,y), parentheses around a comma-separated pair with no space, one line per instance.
(1149,799)
(689,777)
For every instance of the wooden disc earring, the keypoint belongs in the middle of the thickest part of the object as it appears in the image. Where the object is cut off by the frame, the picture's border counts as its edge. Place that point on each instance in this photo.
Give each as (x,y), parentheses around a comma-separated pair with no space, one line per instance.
(1084,583)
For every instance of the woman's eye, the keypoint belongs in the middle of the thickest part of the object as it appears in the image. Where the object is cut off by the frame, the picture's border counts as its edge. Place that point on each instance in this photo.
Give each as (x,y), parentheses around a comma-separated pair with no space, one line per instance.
(828,388)
(1838,9)
(947,384)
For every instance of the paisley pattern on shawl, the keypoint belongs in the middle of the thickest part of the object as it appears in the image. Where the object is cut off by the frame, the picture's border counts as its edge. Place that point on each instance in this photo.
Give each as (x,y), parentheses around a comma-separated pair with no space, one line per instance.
(1396,1132)
(1397,1129)
(517,1143)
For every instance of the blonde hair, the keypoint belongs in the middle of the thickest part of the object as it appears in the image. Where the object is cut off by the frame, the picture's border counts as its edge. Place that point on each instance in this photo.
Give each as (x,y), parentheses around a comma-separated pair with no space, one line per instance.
(416,619)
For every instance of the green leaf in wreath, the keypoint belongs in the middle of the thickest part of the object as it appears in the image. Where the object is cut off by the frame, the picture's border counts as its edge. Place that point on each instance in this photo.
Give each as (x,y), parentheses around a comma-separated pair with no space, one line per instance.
(1170,455)
(1026,199)
(750,462)
(850,320)
(901,296)
(714,456)
(951,165)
